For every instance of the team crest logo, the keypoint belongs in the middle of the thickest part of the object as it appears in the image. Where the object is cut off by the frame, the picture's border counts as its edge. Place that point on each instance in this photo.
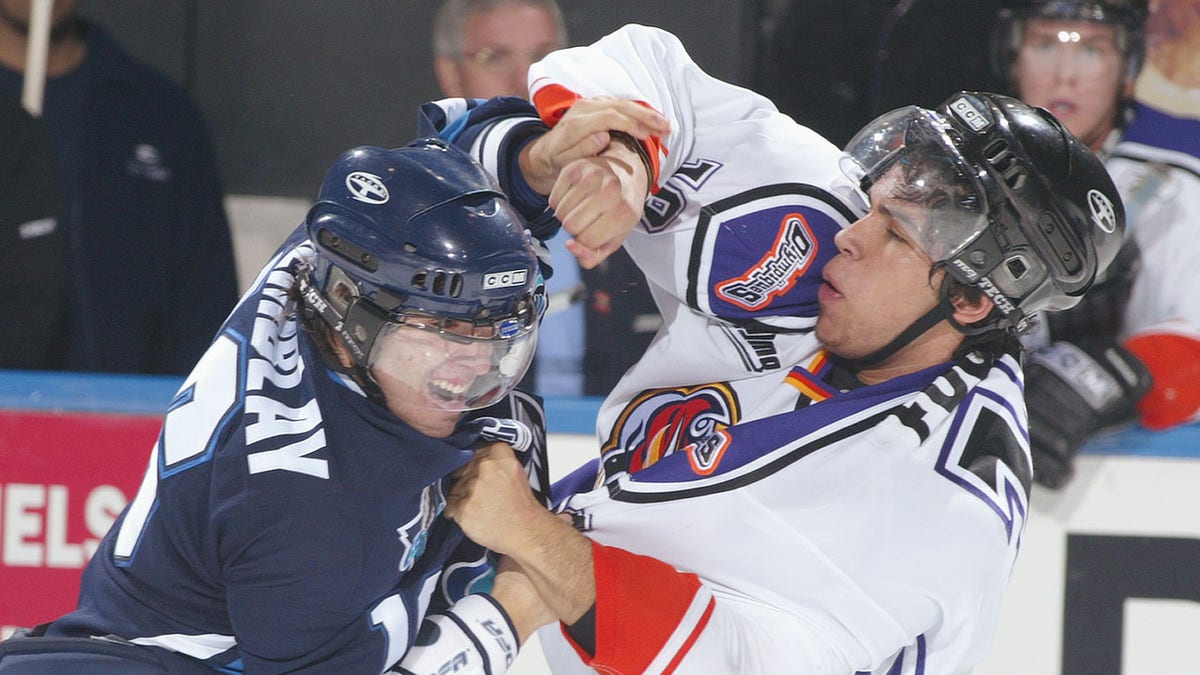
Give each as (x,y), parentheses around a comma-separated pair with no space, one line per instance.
(776,273)
(660,422)
(415,533)
(706,455)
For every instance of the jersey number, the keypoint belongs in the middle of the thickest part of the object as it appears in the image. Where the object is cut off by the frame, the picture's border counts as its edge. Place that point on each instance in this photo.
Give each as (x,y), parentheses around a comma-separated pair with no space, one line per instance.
(194,422)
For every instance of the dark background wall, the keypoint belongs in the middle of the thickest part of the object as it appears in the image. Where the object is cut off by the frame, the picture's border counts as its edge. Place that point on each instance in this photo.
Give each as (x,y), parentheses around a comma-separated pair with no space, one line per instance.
(287,85)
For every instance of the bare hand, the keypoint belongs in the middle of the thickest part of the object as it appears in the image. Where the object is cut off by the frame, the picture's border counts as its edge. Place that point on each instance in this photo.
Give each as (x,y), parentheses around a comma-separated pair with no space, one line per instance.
(599,200)
(491,500)
(583,132)
(493,504)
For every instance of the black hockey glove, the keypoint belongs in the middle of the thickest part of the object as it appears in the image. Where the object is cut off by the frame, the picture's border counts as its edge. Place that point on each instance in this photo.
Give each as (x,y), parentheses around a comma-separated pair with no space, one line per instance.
(1073,391)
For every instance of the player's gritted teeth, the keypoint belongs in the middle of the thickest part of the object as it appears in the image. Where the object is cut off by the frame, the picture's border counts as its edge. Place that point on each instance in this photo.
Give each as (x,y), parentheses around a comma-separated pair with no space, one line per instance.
(447,390)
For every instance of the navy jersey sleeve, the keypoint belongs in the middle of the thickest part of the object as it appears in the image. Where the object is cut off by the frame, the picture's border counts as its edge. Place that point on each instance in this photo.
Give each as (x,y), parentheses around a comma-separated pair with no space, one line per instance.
(494,131)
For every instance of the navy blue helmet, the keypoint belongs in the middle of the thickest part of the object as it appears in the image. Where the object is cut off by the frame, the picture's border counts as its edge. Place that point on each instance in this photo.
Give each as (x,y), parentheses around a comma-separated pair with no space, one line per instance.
(420,237)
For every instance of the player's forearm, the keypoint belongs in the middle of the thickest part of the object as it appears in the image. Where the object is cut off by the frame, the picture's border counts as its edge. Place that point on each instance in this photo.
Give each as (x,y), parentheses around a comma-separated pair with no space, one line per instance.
(558,562)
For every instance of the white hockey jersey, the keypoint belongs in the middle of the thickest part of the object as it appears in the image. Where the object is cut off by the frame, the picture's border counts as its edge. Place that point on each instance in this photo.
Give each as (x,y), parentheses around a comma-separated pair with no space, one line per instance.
(733,241)
(874,532)
(1156,166)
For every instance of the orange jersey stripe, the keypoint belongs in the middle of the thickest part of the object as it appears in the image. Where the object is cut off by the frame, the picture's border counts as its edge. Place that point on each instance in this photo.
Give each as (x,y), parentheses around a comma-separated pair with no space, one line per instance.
(554,100)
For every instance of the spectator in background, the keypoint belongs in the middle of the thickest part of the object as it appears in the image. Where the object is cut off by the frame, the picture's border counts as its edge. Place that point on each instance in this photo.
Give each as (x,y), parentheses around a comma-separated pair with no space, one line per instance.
(837,64)
(1171,79)
(483,48)
(31,246)
(150,266)
(1134,341)
(599,320)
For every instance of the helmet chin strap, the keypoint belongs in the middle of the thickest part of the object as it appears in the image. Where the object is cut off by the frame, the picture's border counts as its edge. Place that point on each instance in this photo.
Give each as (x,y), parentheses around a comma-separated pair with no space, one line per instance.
(942,311)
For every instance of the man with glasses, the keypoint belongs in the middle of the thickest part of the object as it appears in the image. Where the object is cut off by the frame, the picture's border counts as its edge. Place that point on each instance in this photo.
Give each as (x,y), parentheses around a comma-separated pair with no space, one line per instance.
(483,48)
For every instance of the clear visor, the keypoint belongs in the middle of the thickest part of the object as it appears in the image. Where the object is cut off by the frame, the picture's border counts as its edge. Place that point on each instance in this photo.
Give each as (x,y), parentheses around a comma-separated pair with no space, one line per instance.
(907,162)
(450,365)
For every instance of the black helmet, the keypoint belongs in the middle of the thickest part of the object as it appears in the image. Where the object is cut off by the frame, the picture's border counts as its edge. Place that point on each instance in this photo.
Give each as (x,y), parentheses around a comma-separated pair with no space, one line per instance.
(423,231)
(1128,15)
(1017,206)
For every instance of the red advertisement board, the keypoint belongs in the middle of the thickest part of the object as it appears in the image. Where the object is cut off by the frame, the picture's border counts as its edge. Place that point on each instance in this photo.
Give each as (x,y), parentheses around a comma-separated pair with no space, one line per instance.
(64,479)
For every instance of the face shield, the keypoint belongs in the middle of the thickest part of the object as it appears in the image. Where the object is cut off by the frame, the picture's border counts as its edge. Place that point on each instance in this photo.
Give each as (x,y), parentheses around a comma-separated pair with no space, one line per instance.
(449,364)
(907,162)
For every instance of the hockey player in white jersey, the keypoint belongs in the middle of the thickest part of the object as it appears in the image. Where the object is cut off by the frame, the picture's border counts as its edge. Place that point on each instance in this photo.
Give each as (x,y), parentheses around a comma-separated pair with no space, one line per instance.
(862,517)
(1132,348)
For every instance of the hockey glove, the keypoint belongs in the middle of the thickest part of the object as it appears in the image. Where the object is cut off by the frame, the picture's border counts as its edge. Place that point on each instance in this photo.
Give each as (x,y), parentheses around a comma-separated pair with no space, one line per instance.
(1071,392)
(473,637)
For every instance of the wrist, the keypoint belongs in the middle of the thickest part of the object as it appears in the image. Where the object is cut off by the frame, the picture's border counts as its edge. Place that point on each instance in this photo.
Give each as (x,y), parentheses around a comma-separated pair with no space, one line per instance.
(538,173)
(558,560)
(633,145)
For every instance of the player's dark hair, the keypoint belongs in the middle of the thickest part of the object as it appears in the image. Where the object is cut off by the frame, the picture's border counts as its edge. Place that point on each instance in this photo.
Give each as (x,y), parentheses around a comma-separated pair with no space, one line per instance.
(320,332)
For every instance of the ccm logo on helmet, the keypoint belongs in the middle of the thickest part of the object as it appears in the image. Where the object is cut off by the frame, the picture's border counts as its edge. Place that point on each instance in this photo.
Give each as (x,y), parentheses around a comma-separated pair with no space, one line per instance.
(1103,213)
(505,279)
(367,187)
(970,114)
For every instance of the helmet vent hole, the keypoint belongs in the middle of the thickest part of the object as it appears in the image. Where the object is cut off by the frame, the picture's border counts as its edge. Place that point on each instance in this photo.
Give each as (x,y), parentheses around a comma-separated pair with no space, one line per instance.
(1017,268)
(439,283)
(1005,163)
(456,286)
(419,279)
(410,247)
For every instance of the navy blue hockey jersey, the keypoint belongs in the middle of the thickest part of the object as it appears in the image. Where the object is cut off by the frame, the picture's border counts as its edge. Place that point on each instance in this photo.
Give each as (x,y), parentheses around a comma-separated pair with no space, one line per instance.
(286,522)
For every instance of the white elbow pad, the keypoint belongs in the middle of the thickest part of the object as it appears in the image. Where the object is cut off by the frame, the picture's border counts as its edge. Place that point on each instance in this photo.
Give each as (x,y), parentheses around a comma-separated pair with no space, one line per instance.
(473,637)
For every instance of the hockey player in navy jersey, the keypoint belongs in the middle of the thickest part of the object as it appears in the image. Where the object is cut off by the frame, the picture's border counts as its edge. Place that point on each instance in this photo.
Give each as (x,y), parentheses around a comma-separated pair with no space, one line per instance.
(290,519)
(785,489)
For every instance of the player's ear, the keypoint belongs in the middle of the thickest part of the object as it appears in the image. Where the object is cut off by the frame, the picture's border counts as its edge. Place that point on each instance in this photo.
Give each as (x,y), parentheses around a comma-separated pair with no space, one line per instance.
(968,311)
(448,76)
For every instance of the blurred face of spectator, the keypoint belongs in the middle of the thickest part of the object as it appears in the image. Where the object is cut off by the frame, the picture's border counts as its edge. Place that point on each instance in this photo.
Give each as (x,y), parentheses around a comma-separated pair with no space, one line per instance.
(1173,40)
(16,12)
(1175,19)
(499,46)
(1075,70)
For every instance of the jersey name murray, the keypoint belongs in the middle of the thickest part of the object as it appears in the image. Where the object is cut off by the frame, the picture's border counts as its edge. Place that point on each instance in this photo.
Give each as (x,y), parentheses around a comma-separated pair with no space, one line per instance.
(279,437)
(253,381)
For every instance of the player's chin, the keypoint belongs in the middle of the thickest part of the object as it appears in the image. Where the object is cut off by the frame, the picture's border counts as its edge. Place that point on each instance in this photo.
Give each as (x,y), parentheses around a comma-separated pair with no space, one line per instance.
(824,331)
(436,425)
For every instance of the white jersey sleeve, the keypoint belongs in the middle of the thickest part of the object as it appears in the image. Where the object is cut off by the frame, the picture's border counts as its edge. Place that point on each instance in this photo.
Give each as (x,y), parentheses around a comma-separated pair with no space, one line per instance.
(726,143)
(734,239)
